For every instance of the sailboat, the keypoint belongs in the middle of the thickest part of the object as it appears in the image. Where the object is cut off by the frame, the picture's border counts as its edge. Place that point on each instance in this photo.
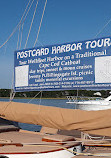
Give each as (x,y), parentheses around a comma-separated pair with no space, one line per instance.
(39,69)
(65,66)
(17,143)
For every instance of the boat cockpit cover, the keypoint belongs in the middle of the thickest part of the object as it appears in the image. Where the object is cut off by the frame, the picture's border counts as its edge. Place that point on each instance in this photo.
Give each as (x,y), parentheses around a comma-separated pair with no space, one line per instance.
(92,122)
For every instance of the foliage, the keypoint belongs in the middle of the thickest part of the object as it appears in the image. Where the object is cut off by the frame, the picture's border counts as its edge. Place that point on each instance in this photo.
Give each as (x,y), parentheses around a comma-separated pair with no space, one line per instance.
(5,92)
(53,94)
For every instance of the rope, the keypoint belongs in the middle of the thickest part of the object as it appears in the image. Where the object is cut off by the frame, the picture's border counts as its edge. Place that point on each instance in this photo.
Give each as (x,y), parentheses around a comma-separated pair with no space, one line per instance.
(34,97)
(40,24)
(23,23)
(103,27)
(31,24)
(21,36)
(12,93)
(73,152)
(40,102)
(40,98)
(18,37)
(14,30)
(60,147)
(65,148)
(40,43)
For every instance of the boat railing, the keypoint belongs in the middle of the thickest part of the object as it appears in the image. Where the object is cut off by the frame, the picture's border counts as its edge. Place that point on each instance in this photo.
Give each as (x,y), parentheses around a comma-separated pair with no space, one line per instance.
(72,98)
(82,98)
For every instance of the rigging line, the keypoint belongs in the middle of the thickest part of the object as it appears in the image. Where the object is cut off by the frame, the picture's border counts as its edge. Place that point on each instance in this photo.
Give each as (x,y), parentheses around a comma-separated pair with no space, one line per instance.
(39,102)
(40,43)
(40,98)
(14,30)
(40,23)
(31,23)
(23,23)
(103,27)
(12,93)
(21,36)
(5,49)
(34,97)
(18,36)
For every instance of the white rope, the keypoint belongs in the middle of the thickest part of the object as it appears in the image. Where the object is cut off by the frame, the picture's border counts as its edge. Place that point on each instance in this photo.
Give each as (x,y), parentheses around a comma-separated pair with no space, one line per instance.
(12,93)
(34,97)
(40,43)
(40,98)
(17,24)
(5,49)
(18,36)
(40,23)
(23,23)
(31,24)
(39,101)
(21,36)
(103,27)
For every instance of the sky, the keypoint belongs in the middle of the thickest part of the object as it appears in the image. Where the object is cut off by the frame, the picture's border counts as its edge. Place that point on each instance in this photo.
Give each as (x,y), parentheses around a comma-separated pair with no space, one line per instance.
(64,21)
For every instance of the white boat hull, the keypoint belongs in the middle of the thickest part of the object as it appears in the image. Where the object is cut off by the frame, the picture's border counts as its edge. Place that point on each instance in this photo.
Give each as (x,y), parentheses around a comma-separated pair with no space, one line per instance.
(55,154)
(92,105)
